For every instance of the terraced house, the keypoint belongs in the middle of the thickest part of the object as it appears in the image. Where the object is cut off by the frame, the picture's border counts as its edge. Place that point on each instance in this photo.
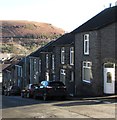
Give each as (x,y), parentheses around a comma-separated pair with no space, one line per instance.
(54,61)
(96,55)
(85,59)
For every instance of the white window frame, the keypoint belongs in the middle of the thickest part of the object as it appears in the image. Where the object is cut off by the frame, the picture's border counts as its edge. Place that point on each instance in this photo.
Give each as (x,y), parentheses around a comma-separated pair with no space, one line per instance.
(35,64)
(47,60)
(39,65)
(53,62)
(86,44)
(88,65)
(63,55)
(72,76)
(19,71)
(72,56)
(62,72)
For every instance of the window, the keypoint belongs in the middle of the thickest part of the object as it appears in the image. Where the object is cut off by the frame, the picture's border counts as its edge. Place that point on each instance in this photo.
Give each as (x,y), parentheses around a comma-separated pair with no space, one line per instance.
(39,65)
(72,56)
(87,72)
(47,61)
(35,65)
(71,76)
(86,44)
(109,77)
(62,75)
(62,55)
(53,63)
(19,71)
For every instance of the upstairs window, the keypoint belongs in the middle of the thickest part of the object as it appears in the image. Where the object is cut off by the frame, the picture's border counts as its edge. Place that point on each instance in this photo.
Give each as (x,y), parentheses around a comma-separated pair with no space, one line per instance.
(35,65)
(86,44)
(72,56)
(62,55)
(39,65)
(47,60)
(53,63)
(19,71)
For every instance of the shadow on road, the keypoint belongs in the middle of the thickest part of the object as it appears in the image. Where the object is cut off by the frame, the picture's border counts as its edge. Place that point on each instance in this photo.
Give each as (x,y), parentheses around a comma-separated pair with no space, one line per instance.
(87,102)
(79,103)
(18,101)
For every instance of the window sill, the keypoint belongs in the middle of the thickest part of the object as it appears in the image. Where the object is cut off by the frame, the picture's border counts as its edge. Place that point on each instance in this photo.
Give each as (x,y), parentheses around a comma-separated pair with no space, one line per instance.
(87,81)
(71,64)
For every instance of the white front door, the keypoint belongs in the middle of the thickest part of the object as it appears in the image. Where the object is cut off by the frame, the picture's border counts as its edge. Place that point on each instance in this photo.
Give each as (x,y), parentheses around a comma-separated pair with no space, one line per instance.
(47,76)
(109,79)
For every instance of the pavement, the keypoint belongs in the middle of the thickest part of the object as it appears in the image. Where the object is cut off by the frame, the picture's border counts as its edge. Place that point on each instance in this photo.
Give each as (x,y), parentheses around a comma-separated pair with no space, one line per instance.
(114,97)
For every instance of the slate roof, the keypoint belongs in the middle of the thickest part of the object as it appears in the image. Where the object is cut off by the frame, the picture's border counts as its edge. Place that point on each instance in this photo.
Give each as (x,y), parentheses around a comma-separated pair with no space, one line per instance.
(65,39)
(102,19)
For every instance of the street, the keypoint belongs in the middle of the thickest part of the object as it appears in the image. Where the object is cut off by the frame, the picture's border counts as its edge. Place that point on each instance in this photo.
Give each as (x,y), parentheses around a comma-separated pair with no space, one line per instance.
(17,107)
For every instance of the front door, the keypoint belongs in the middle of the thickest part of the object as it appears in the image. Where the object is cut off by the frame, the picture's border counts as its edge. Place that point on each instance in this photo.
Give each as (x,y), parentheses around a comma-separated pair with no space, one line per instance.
(47,76)
(109,78)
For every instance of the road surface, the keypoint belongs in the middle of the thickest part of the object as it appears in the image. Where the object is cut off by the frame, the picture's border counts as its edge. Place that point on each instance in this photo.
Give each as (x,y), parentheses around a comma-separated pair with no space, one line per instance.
(17,107)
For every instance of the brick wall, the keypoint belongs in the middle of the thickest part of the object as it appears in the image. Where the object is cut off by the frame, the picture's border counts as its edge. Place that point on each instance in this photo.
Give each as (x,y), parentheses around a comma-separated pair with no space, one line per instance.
(101,47)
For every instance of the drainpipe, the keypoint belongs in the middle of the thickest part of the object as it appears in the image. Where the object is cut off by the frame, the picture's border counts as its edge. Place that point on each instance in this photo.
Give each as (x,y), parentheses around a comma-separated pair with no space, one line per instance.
(25,71)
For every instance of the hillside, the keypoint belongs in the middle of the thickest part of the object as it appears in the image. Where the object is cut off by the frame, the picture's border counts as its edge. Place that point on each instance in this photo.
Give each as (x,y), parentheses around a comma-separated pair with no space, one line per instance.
(26,36)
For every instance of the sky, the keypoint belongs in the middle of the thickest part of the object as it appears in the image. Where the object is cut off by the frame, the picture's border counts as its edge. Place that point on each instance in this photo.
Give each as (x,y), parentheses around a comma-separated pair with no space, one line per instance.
(65,14)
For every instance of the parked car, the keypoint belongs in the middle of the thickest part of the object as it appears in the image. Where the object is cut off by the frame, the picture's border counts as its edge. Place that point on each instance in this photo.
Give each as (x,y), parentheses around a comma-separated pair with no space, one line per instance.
(50,89)
(12,90)
(3,89)
(28,91)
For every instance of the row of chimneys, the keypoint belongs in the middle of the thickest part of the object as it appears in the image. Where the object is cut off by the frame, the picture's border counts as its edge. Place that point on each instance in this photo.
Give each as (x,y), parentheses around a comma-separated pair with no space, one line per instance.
(111,4)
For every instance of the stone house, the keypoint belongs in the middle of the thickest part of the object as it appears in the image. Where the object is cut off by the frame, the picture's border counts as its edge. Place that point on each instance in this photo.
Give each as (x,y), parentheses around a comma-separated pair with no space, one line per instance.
(95,55)
(54,61)
(22,71)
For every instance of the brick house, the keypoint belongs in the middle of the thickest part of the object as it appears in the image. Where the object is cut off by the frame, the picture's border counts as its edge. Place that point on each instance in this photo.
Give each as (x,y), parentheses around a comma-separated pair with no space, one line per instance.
(95,55)
(64,61)
(40,64)
(22,72)
(54,61)
(9,73)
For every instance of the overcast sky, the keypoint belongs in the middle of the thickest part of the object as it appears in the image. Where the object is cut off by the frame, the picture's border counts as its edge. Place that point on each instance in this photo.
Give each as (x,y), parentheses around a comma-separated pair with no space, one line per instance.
(66,14)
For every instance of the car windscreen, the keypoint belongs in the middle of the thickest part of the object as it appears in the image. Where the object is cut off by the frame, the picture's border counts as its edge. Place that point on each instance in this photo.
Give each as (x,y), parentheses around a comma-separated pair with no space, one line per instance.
(56,84)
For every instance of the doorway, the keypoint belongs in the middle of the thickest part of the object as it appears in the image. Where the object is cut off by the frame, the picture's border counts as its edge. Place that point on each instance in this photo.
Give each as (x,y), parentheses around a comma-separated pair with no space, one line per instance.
(109,78)
(47,76)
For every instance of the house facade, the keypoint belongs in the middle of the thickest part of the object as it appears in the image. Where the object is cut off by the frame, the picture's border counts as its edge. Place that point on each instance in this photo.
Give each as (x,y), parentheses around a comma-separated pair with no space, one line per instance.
(85,59)
(64,61)
(22,72)
(54,61)
(40,65)
(95,57)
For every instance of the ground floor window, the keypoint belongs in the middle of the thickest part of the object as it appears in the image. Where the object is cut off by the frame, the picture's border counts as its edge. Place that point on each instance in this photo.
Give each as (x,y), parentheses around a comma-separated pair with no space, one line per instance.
(87,72)
(62,75)
(71,76)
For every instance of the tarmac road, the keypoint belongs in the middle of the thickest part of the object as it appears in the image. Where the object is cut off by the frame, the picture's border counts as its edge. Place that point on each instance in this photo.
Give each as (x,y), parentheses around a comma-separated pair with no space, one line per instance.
(17,107)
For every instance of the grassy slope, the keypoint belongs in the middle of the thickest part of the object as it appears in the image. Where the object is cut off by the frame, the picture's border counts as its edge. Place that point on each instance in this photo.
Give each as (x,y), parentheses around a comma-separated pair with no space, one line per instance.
(23,36)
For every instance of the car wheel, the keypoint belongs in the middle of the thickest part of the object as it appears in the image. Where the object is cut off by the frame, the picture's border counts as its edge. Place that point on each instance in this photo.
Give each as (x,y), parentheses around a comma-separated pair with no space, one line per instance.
(34,96)
(5,93)
(63,97)
(22,95)
(44,97)
(8,93)
(28,95)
